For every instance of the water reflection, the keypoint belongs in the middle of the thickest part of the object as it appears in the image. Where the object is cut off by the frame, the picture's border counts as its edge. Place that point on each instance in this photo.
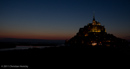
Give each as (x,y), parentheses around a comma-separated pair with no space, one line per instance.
(29,47)
(24,47)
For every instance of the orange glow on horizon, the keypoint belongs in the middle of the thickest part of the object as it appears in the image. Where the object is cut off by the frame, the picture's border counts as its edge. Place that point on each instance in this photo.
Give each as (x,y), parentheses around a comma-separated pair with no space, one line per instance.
(28,35)
(49,37)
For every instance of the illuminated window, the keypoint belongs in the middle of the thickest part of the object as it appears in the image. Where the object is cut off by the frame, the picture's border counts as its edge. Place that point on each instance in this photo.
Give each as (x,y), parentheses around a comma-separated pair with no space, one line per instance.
(86,34)
(94,44)
(98,30)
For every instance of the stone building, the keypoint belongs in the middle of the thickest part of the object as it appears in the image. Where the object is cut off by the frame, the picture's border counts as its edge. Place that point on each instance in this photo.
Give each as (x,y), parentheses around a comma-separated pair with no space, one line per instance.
(94,34)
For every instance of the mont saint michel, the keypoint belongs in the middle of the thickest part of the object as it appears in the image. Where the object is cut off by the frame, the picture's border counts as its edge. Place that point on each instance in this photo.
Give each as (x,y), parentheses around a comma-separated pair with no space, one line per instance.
(94,34)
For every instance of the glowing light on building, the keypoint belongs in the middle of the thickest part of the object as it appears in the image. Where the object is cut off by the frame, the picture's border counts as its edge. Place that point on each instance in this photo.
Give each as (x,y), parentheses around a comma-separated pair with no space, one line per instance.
(94,44)
(86,34)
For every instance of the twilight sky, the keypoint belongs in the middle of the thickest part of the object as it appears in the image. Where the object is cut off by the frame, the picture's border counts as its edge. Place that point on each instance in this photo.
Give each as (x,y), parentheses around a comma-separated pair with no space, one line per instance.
(61,19)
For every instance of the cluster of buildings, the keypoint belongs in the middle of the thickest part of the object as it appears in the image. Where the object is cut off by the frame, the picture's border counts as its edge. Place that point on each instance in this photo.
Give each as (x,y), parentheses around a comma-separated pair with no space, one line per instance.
(94,34)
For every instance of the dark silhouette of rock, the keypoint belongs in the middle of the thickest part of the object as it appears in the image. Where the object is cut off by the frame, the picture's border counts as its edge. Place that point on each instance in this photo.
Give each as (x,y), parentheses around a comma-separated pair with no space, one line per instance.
(7,45)
(95,35)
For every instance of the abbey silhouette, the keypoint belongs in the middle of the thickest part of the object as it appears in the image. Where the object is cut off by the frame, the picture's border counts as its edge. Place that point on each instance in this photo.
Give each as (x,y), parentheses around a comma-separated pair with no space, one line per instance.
(94,34)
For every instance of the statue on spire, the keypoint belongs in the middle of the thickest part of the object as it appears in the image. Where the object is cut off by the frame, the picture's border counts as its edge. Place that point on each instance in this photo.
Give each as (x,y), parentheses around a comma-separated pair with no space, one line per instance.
(93,16)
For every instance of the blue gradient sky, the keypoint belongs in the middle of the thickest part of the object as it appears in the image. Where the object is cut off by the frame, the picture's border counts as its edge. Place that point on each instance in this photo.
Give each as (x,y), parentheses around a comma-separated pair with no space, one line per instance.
(61,19)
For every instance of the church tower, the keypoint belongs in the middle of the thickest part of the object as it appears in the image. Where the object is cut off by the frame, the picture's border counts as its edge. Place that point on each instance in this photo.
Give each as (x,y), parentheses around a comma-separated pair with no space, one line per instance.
(93,22)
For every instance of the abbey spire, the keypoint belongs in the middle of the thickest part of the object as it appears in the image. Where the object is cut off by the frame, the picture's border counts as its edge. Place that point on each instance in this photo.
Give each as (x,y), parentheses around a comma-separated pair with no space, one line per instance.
(93,17)
(94,22)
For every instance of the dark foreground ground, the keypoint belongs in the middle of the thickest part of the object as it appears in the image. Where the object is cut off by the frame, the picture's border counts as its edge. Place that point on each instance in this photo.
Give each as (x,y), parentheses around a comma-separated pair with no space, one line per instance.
(68,57)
